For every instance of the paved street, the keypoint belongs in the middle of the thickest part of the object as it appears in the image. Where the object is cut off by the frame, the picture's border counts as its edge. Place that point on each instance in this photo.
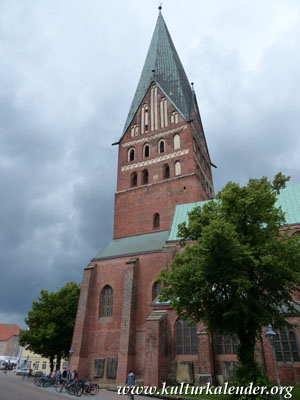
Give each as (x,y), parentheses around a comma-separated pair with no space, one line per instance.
(13,387)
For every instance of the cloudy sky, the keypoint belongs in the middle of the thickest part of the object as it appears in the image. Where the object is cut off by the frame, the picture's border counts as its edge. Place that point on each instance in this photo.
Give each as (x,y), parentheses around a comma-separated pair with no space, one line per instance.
(68,73)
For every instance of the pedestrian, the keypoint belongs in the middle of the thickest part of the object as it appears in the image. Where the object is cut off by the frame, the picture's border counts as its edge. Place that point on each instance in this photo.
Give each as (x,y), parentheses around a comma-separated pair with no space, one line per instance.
(130,382)
(64,374)
(58,375)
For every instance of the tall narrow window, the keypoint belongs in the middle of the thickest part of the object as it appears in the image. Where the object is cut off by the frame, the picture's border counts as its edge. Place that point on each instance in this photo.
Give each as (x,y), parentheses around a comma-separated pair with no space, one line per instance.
(166,171)
(186,337)
(106,304)
(133,179)
(164,113)
(177,168)
(176,141)
(161,146)
(144,119)
(145,177)
(156,290)
(131,154)
(134,130)
(146,150)
(153,107)
(156,220)
(286,348)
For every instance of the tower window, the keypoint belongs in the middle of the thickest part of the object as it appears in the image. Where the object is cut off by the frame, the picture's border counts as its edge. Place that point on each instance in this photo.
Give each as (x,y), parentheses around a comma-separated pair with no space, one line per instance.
(156,220)
(144,119)
(134,130)
(177,168)
(166,171)
(176,141)
(133,179)
(174,118)
(161,146)
(163,113)
(186,337)
(145,177)
(146,150)
(106,305)
(131,154)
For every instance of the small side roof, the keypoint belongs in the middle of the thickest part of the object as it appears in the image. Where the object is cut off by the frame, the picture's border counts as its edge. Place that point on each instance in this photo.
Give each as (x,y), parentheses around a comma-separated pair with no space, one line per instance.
(8,330)
(288,200)
(134,245)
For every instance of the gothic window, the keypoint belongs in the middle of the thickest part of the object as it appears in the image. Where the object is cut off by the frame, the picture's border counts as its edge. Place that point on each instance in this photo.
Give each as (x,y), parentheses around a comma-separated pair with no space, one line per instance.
(176,141)
(156,290)
(106,304)
(145,177)
(133,179)
(161,146)
(227,344)
(177,168)
(146,150)
(166,171)
(286,348)
(163,113)
(174,118)
(131,154)
(185,337)
(156,220)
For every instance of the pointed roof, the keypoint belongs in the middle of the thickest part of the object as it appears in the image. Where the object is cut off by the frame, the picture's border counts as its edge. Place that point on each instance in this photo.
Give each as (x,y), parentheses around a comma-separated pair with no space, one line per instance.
(163,67)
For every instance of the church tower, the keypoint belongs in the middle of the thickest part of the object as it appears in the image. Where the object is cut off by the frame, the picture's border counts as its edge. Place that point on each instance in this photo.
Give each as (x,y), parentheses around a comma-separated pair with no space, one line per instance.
(163,165)
(163,156)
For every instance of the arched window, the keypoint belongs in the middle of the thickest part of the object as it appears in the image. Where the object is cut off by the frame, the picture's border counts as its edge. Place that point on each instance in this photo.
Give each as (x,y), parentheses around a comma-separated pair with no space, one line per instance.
(156,220)
(134,130)
(177,168)
(186,337)
(176,141)
(144,119)
(131,154)
(106,302)
(146,150)
(156,290)
(145,177)
(286,348)
(166,171)
(133,179)
(161,146)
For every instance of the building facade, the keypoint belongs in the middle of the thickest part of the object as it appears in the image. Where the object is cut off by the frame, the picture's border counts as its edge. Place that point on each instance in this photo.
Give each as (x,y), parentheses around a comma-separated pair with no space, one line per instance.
(164,170)
(9,343)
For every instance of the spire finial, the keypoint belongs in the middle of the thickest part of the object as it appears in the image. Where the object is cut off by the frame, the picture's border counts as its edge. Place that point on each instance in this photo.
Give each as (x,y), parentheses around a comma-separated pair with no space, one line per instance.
(160,5)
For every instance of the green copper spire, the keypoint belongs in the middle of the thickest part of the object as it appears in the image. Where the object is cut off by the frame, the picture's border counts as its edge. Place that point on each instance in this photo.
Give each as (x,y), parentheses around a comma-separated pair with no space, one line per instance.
(163,67)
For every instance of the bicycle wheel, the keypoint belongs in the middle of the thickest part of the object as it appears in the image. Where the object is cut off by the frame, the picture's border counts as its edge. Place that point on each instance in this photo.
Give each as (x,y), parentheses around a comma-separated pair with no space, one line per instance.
(94,389)
(79,389)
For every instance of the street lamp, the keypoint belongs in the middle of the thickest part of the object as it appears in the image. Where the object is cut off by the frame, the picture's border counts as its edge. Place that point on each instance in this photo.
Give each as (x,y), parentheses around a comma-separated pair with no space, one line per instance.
(271,336)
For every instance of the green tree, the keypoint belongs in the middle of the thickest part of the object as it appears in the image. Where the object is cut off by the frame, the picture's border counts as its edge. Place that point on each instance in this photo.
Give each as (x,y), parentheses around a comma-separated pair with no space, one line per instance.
(238,272)
(51,322)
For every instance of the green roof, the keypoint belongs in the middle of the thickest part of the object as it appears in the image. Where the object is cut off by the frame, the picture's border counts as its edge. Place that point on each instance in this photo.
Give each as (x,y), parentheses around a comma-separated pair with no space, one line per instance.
(163,67)
(288,200)
(134,245)
(181,215)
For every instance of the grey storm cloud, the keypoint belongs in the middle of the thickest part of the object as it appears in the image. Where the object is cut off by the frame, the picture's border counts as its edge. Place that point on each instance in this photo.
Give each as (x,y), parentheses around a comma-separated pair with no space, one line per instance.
(68,73)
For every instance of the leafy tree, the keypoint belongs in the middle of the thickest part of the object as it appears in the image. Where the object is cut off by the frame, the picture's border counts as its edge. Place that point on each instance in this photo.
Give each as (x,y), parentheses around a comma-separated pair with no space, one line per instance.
(51,322)
(238,272)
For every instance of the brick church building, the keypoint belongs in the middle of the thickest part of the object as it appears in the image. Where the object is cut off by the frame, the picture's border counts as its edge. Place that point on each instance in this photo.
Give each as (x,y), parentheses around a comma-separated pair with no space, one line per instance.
(164,170)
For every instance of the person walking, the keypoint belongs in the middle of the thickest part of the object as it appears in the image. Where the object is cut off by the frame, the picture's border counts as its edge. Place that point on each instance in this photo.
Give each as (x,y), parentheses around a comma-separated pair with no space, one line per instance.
(130,382)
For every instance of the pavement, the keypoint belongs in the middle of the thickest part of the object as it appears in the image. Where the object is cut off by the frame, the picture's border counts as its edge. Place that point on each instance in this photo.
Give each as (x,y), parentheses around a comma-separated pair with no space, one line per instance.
(14,387)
